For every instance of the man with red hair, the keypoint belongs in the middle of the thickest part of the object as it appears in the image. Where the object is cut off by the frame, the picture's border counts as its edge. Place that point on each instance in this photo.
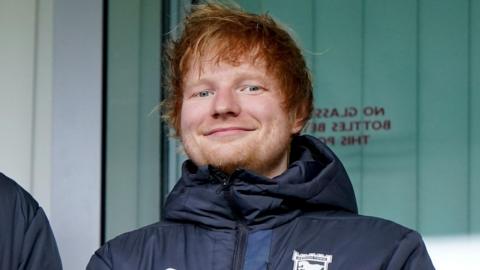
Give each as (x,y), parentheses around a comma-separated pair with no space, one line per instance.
(254,194)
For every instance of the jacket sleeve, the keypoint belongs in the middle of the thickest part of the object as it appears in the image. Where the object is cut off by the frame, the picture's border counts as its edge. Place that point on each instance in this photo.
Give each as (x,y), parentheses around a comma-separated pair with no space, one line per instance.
(39,250)
(101,259)
(410,254)
(26,239)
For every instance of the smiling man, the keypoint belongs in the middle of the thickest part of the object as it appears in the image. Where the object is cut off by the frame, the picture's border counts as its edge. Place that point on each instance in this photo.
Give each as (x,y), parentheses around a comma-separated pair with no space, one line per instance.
(255,194)
(232,117)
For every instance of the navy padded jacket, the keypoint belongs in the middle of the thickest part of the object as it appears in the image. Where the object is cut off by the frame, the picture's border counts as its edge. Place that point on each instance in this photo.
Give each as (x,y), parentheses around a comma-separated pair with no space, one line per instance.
(306,218)
(26,239)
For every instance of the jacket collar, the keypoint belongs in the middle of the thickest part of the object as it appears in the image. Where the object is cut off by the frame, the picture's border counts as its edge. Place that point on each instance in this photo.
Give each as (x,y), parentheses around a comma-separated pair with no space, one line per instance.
(314,180)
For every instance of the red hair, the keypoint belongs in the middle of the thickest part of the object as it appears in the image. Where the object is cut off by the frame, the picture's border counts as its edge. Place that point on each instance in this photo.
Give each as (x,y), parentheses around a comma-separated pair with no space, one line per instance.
(233,36)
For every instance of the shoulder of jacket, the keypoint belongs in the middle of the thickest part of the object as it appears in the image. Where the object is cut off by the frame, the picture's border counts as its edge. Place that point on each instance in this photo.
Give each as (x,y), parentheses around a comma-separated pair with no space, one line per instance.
(155,230)
(374,225)
(132,244)
(11,191)
(8,187)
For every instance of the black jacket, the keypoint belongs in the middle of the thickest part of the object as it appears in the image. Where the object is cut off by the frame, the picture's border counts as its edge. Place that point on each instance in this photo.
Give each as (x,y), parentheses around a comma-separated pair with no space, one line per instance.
(26,240)
(305,218)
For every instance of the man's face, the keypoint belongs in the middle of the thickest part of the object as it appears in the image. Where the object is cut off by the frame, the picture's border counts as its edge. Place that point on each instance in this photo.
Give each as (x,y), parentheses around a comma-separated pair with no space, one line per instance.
(232,117)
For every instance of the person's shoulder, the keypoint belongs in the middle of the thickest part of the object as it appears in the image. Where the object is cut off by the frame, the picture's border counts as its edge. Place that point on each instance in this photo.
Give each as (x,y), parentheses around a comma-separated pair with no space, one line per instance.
(131,247)
(365,240)
(369,236)
(143,238)
(11,193)
(7,185)
(25,230)
(146,232)
(405,246)
(368,226)
(385,230)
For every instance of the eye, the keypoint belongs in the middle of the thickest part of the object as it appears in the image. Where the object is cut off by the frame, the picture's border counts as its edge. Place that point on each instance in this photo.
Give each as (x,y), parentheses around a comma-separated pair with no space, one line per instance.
(251,89)
(203,93)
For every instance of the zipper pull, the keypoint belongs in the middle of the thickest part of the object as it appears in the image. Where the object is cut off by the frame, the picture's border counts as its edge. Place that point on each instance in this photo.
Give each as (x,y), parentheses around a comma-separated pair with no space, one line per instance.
(217,176)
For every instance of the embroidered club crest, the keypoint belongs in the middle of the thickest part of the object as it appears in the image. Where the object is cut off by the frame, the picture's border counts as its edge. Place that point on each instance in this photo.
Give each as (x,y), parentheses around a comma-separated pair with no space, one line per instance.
(310,261)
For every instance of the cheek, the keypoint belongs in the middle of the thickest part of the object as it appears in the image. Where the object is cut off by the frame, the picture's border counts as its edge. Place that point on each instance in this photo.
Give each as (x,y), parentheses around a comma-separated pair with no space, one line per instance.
(263,108)
(192,117)
(271,112)
(189,117)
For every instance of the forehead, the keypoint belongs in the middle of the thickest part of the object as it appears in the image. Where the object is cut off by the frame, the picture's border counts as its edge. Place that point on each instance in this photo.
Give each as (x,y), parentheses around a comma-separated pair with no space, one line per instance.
(249,66)
(210,64)
(222,49)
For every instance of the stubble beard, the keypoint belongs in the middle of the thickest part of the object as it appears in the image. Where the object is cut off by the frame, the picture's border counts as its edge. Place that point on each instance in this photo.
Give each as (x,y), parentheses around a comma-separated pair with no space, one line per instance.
(253,154)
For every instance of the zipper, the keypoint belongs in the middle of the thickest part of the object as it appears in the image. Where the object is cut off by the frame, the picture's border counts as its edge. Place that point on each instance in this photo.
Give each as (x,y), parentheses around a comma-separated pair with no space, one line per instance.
(240,247)
(241,229)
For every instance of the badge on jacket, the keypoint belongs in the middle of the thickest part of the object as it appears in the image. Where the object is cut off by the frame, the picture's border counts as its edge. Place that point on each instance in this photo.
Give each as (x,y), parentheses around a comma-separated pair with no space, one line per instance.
(310,261)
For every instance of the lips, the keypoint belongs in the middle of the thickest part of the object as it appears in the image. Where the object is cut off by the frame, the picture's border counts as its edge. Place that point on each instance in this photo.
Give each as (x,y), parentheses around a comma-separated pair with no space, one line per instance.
(227,131)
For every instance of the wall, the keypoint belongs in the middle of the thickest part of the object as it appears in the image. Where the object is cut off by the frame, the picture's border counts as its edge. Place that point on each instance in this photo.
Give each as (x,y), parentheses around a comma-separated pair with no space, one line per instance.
(50,114)
(26,95)
(77,129)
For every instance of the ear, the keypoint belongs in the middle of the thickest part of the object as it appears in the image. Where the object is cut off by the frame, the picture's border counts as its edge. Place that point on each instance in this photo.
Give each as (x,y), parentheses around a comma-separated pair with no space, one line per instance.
(297,122)
(297,126)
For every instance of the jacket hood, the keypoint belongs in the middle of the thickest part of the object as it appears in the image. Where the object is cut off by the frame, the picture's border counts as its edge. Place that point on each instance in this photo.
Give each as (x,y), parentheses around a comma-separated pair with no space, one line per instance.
(315,180)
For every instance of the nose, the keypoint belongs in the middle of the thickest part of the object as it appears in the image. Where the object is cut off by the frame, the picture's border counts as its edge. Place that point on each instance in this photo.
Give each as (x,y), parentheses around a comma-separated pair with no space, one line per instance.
(225,104)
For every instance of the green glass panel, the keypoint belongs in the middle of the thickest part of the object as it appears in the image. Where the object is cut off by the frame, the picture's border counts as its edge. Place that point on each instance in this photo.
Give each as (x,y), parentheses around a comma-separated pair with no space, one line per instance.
(443,129)
(390,108)
(132,136)
(249,5)
(475,117)
(337,72)
(122,132)
(149,120)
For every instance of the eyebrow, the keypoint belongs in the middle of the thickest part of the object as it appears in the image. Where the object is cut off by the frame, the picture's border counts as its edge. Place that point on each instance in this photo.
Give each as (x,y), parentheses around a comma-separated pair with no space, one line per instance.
(243,76)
